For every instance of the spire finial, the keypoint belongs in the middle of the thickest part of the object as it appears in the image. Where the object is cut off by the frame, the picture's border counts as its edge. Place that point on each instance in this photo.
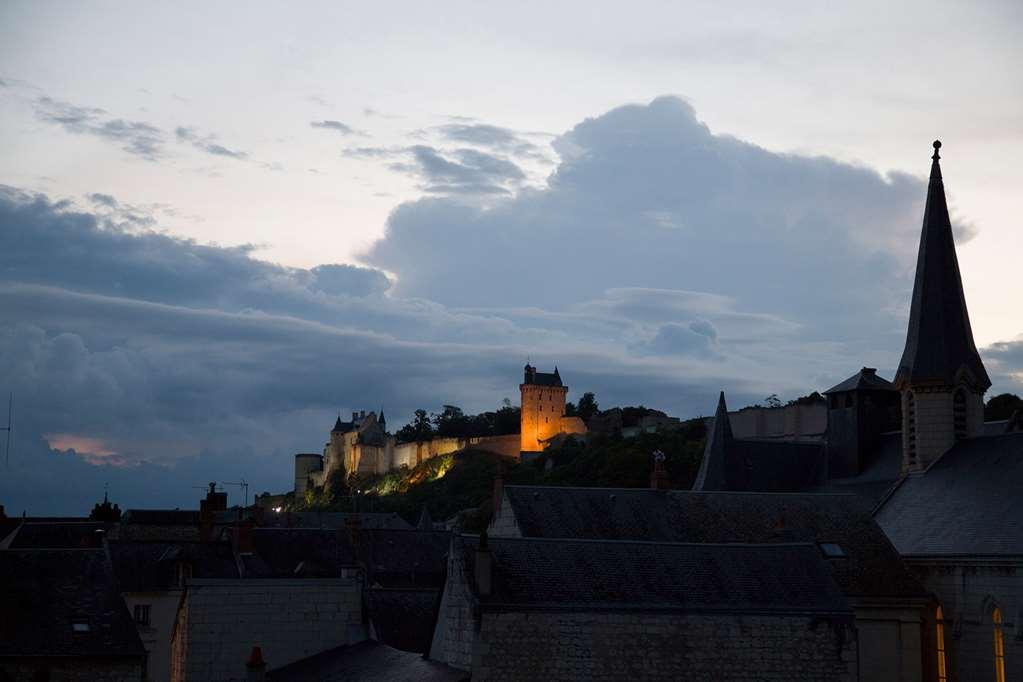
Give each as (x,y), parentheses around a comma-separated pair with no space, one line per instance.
(937,146)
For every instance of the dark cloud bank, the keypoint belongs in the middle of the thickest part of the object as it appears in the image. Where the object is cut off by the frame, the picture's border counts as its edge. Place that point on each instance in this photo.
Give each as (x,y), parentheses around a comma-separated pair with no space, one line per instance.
(661,264)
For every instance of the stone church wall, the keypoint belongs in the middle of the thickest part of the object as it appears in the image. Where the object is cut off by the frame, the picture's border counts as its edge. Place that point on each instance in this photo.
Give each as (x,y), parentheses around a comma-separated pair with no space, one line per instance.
(968,590)
(221,620)
(661,646)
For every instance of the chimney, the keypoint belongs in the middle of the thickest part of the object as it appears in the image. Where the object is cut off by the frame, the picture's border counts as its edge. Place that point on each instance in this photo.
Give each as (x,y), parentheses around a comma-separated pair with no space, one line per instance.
(255,667)
(355,416)
(484,567)
(659,476)
(871,371)
(243,536)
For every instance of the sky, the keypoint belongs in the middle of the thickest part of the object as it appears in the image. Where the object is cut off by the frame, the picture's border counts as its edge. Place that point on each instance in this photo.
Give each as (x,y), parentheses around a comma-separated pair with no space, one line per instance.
(222,224)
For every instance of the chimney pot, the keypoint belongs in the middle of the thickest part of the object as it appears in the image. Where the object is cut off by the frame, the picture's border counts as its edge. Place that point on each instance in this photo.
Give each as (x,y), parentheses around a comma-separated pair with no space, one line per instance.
(484,567)
(255,667)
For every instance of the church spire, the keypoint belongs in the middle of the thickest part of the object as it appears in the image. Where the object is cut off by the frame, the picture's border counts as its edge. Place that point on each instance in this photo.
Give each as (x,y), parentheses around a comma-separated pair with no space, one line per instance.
(939,343)
(713,472)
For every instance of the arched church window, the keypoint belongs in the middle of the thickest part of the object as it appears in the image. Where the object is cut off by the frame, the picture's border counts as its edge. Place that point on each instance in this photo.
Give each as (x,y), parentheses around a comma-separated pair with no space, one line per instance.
(940,642)
(959,413)
(996,620)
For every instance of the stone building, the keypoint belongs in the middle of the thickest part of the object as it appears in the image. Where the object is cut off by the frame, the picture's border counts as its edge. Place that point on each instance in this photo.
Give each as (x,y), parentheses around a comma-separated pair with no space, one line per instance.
(584,609)
(62,619)
(944,485)
(888,603)
(542,415)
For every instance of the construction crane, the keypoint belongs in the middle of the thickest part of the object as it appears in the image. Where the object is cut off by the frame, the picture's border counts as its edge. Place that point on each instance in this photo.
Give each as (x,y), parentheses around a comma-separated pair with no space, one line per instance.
(9,429)
(243,485)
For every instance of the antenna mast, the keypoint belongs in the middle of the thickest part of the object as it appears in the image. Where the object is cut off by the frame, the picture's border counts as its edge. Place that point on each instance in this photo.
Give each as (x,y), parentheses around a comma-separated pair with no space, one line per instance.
(241,484)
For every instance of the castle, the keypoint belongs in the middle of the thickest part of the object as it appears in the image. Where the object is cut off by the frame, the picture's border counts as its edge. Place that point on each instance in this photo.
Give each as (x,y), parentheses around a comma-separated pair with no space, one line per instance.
(363,446)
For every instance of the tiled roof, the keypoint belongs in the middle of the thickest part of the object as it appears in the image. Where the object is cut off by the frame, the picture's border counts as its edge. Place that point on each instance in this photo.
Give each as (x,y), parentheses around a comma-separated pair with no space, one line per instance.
(403,617)
(605,574)
(881,469)
(367,661)
(968,502)
(874,567)
(44,593)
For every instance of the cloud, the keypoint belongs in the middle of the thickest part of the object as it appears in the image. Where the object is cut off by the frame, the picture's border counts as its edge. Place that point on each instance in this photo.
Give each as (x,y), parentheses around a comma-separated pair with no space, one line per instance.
(1004,361)
(489,136)
(207,144)
(659,264)
(337,126)
(135,137)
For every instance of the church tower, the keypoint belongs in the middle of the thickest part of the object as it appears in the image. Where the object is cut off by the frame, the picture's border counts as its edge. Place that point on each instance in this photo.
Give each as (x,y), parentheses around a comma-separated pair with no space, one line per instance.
(542,407)
(941,377)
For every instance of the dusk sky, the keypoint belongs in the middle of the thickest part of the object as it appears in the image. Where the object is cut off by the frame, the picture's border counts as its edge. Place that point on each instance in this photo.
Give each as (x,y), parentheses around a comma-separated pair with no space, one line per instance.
(221,224)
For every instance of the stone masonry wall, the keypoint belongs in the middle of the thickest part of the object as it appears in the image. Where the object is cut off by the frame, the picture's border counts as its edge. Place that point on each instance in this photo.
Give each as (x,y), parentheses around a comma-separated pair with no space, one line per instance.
(73,670)
(968,591)
(503,524)
(289,619)
(650,646)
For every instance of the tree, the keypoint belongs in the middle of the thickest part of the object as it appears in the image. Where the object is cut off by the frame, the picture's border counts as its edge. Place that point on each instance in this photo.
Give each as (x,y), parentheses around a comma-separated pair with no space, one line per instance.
(418,429)
(1002,406)
(773,400)
(587,406)
(451,422)
(570,409)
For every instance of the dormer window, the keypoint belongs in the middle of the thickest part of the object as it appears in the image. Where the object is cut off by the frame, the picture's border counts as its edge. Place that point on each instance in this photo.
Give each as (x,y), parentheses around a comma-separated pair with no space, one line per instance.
(832,550)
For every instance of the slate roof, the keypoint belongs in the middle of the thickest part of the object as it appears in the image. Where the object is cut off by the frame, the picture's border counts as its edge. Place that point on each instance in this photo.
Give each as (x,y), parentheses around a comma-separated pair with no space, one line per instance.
(141,566)
(939,341)
(43,592)
(312,551)
(882,467)
(873,567)
(403,617)
(162,517)
(864,380)
(968,502)
(58,535)
(761,465)
(604,574)
(367,661)
(405,558)
(316,519)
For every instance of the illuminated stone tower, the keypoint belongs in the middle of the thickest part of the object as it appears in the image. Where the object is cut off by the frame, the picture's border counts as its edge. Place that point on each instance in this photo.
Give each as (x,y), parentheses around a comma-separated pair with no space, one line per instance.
(543,405)
(941,376)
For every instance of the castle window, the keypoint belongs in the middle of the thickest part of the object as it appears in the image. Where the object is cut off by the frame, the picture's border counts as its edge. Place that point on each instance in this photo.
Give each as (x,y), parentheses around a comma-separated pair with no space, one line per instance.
(959,414)
(996,619)
(940,645)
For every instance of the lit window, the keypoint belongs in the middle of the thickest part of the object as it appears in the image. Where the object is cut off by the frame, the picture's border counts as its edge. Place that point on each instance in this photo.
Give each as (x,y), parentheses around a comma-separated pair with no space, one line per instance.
(142,614)
(996,619)
(80,626)
(940,636)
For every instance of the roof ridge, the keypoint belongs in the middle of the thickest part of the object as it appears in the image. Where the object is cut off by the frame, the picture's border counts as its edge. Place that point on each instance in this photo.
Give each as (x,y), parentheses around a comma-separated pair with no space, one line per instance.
(729,545)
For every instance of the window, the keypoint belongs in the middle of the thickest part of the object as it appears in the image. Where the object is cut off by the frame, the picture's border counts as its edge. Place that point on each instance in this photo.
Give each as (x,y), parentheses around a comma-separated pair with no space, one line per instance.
(79,626)
(142,614)
(996,619)
(959,414)
(832,550)
(940,645)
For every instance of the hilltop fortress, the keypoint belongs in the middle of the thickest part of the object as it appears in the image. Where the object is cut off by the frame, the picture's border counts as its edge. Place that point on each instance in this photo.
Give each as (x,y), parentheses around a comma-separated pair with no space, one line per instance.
(363,446)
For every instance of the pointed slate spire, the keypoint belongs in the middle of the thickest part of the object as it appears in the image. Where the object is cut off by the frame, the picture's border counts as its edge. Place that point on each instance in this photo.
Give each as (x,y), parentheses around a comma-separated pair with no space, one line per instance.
(557,376)
(425,520)
(338,426)
(713,474)
(939,342)
(382,419)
